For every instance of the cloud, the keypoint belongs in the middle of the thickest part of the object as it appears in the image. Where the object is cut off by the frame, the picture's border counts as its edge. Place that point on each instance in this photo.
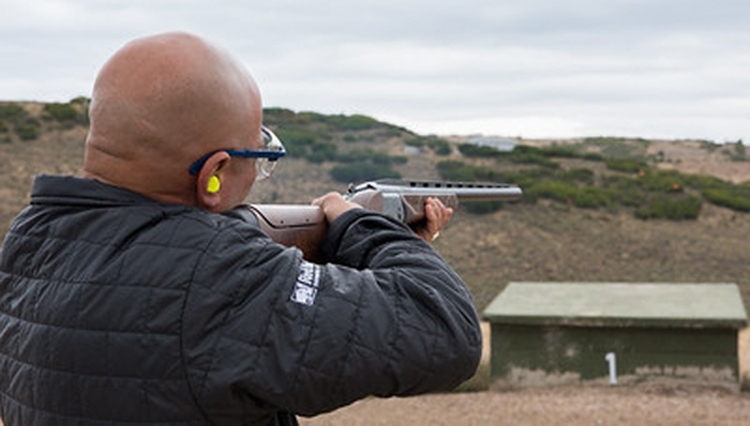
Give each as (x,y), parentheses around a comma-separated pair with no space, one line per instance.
(532,67)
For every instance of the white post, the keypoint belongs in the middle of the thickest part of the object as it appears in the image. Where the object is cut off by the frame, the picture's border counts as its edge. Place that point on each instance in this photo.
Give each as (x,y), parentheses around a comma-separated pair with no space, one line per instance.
(610,357)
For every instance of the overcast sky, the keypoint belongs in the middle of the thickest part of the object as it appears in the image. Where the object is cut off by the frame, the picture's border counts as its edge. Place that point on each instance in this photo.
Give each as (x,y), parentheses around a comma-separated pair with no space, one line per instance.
(530,68)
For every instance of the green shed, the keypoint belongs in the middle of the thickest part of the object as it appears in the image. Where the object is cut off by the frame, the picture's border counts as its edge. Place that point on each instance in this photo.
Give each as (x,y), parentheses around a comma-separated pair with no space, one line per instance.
(561,332)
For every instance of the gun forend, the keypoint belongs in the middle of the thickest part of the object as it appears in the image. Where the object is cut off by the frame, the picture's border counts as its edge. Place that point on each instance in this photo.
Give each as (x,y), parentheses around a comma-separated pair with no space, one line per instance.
(464,191)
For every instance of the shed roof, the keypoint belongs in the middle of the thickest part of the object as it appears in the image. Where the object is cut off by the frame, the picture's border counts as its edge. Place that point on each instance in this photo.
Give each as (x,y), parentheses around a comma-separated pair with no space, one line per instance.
(686,305)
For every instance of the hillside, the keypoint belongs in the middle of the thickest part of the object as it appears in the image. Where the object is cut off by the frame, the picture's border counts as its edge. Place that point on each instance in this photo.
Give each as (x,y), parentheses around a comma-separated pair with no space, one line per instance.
(548,237)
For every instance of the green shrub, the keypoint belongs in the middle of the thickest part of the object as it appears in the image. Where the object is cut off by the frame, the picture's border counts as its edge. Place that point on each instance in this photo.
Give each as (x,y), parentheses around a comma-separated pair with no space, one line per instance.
(28,128)
(296,141)
(439,146)
(661,181)
(401,159)
(529,177)
(80,100)
(27,131)
(371,156)
(461,172)
(531,158)
(456,171)
(279,118)
(322,151)
(393,131)
(625,165)
(709,146)
(729,197)
(703,182)
(584,197)
(3,127)
(476,151)
(309,117)
(443,149)
(555,190)
(603,140)
(359,172)
(620,148)
(560,151)
(630,197)
(577,175)
(591,197)
(719,192)
(737,152)
(521,154)
(569,151)
(592,156)
(12,112)
(673,208)
(527,150)
(62,113)
(353,122)
(625,190)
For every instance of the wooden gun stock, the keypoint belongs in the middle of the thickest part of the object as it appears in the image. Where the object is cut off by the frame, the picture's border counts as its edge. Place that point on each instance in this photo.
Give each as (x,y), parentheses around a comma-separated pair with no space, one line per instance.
(305,227)
(300,226)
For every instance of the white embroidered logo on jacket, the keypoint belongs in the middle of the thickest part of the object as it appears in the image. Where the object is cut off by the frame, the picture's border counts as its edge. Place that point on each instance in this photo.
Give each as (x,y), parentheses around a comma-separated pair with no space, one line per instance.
(306,288)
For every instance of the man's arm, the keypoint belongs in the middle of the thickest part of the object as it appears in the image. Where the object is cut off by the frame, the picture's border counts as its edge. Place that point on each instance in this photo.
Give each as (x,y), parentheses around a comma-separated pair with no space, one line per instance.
(386,316)
(405,322)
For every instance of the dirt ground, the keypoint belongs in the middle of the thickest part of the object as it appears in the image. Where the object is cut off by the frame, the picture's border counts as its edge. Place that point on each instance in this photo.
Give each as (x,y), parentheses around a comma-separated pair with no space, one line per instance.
(578,406)
(660,402)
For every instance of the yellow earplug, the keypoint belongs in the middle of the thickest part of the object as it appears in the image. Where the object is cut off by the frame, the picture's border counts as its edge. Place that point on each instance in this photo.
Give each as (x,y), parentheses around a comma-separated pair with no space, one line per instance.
(214,185)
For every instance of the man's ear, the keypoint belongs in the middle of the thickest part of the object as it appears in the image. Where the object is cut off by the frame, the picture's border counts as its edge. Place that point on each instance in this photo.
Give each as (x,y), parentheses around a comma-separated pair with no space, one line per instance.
(209,191)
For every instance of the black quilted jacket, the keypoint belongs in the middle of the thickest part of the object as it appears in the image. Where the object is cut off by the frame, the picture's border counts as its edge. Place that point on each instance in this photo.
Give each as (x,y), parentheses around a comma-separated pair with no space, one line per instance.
(117,310)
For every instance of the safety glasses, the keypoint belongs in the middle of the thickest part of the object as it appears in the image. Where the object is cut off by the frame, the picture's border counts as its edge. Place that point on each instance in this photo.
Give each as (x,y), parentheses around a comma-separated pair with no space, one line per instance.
(267,157)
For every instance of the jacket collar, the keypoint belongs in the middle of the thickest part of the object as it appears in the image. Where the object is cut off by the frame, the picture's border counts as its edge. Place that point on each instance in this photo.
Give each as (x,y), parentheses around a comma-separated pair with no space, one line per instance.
(71,190)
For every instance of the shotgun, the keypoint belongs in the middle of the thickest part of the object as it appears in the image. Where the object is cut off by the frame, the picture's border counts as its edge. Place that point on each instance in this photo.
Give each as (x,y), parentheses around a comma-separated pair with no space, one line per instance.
(305,227)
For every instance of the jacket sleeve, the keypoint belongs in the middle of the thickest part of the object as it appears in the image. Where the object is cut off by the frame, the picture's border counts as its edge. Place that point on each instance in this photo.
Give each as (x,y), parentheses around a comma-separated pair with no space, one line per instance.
(387,316)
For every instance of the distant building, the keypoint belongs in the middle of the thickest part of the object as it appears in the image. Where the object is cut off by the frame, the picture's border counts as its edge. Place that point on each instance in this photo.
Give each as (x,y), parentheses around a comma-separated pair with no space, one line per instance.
(500,143)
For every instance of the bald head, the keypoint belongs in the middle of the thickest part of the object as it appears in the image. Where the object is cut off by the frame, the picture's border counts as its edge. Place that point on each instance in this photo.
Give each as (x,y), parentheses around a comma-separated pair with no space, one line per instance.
(160,103)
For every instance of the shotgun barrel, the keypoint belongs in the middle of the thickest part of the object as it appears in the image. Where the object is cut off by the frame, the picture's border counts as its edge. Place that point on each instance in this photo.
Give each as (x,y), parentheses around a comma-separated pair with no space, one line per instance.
(464,191)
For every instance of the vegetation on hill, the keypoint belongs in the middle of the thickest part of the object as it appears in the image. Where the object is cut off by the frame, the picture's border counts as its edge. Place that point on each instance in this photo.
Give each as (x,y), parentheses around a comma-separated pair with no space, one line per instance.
(596,173)
(625,182)
(629,180)
(347,141)
(15,119)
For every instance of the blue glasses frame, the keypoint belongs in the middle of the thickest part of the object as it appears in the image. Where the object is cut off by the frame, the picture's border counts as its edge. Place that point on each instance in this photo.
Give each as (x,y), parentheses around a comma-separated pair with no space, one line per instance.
(269,138)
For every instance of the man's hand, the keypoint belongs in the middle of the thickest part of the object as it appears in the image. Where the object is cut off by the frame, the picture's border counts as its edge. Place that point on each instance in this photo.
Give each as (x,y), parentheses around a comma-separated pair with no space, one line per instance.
(333,205)
(437,215)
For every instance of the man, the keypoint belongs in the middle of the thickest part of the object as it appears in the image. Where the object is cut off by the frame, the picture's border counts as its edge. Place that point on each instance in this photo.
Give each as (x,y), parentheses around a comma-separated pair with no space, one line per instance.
(126,297)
